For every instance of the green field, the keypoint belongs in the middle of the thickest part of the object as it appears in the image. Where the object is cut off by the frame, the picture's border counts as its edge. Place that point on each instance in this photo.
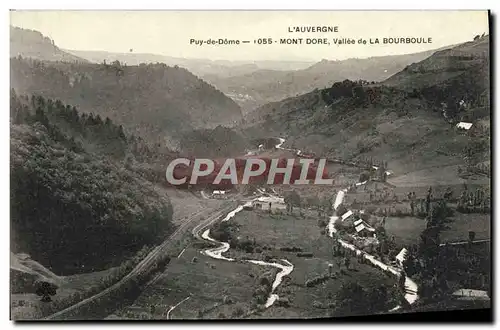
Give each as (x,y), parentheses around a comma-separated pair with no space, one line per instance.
(294,231)
(225,286)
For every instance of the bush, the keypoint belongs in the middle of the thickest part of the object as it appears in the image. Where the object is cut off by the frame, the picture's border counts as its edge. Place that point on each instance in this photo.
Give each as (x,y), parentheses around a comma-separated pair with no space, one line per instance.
(341,209)
(238,311)
(317,304)
(227,300)
(291,249)
(283,302)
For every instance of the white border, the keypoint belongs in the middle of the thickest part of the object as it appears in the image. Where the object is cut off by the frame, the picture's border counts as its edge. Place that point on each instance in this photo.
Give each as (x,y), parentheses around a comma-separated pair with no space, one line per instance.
(191,5)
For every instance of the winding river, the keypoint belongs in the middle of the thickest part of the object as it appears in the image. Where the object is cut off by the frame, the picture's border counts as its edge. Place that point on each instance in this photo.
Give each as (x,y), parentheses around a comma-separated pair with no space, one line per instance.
(287,267)
(411,287)
(217,252)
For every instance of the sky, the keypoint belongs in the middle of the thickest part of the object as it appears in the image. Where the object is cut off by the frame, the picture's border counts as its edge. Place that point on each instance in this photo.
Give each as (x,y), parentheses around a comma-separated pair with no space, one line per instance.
(169,32)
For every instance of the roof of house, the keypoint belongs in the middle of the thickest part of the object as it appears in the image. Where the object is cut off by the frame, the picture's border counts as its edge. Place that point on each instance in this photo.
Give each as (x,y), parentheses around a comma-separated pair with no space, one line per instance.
(402,255)
(360,228)
(346,215)
(271,199)
(368,227)
(357,222)
(464,125)
(219,192)
(471,293)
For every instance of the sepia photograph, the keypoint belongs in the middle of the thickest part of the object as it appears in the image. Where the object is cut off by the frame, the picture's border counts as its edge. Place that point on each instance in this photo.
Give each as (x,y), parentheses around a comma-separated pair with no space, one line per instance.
(176,165)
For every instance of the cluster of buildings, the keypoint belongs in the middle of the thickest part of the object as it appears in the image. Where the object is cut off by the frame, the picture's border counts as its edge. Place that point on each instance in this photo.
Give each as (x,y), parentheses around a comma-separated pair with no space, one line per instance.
(361,227)
(267,203)
(221,194)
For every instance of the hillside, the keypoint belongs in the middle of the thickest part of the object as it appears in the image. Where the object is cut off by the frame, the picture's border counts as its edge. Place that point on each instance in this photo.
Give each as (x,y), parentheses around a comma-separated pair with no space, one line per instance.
(217,142)
(155,101)
(399,120)
(257,88)
(80,186)
(450,75)
(30,43)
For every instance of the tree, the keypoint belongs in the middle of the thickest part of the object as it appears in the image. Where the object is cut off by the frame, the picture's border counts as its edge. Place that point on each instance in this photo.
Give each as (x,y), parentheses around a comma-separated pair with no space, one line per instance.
(341,209)
(448,194)
(238,312)
(347,262)
(326,204)
(46,290)
(121,134)
(292,199)
(364,176)
(352,300)
(472,235)
(429,243)
(378,298)
(315,203)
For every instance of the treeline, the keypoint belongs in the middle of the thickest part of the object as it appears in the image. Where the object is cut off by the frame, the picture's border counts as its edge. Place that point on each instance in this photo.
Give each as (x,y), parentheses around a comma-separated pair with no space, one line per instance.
(90,132)
(58,117)
(154,99)
(440,270)
(478,201)
(355,299)
(75,209)
(358,92)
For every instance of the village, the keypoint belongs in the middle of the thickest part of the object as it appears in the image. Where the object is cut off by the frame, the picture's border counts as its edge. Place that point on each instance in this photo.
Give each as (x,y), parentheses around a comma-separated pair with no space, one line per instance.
(373,201)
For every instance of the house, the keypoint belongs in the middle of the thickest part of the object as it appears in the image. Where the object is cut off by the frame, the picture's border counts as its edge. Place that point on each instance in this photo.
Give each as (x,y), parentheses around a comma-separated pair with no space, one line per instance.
(346,215)
(266,202)
(401,257)
(470,294)
(464,125)
(219,194)
(359,228)
(358,222)
(379,173)
(248,206)
(363,228)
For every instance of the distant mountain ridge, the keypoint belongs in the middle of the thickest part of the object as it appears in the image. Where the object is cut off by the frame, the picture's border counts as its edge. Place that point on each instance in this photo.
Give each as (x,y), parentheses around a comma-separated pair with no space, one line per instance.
(33,44)
(201,67)
(400,119)
(161,103)
(257,88)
